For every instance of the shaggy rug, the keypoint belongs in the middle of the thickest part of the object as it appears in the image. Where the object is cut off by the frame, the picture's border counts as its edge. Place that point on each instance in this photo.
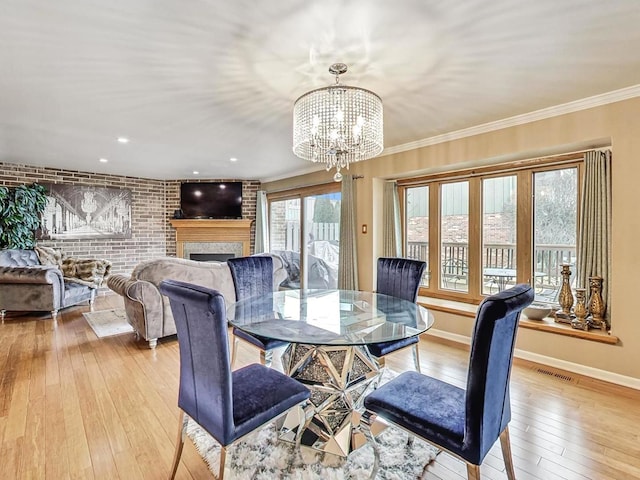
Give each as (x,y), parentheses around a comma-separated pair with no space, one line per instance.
(262,457)
(106,323)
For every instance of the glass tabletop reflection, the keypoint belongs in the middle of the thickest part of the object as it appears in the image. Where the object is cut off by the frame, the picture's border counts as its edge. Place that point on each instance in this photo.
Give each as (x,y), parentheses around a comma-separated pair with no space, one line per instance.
(330,317)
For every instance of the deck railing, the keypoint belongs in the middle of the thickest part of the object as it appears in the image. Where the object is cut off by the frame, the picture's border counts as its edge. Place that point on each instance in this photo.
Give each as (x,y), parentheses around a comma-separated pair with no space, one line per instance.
(289,238)
(548,258)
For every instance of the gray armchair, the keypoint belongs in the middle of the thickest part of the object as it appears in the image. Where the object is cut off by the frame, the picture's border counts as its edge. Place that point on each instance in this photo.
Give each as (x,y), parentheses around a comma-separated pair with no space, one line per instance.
(149,312)
(27,285)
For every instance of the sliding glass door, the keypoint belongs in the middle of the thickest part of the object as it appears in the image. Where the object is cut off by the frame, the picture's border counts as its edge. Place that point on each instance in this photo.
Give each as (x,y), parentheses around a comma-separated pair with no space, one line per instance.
(304,230)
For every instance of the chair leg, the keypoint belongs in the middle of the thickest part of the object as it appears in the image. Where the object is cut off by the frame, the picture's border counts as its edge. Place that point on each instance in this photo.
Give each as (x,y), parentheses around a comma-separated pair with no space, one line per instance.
(364,426)
(505,443)
(410,440)
(473,471)
(381,363)
(234,350)
(223,459)
(266,357)
(416,358)
(182,433)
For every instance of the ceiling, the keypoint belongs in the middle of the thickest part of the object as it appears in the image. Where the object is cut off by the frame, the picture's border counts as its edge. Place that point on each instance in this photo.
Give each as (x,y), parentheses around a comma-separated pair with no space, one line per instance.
(194,83)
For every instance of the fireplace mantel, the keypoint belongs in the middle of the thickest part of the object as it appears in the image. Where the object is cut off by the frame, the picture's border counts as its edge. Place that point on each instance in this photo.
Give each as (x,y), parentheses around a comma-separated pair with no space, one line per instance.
(200,230)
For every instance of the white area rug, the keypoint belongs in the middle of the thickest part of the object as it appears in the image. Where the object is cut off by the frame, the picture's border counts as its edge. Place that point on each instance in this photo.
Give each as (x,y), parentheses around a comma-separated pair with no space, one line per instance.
(261,457)
(108,322)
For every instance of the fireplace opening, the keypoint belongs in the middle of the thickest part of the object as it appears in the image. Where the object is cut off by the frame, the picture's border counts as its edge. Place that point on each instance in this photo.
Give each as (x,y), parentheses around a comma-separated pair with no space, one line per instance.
(211,257)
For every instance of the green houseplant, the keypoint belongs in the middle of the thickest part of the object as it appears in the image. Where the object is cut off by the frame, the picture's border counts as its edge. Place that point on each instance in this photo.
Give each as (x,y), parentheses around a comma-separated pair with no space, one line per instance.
(20,210)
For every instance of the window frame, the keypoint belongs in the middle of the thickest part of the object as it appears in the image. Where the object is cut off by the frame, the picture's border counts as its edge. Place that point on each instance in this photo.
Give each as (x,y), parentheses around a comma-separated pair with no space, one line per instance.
(524,171)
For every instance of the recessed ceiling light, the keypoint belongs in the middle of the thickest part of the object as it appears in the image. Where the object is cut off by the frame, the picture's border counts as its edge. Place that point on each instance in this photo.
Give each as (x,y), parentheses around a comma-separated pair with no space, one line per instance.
(123,140)
(103,160)
(233,159)
(195,172)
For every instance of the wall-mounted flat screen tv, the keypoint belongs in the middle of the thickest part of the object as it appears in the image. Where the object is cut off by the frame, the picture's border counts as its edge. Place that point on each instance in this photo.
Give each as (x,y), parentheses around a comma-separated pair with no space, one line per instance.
(211,200)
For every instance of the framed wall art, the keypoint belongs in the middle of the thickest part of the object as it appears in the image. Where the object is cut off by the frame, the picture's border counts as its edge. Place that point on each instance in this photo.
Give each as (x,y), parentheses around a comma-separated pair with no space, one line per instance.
(86,212)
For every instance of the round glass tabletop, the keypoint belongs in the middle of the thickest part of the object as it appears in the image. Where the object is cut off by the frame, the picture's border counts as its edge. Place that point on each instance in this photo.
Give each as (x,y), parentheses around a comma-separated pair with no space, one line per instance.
(329,317)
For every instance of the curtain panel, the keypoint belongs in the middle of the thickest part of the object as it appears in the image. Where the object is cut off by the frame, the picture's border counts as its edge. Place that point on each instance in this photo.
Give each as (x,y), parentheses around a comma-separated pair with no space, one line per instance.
(348,262)
(594,244)
(262,223)
(391,233)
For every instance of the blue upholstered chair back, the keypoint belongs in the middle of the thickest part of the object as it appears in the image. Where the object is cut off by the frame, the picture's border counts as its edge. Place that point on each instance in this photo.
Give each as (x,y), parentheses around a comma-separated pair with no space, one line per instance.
(252,276)
(487,406)
(205,372)
(400,277)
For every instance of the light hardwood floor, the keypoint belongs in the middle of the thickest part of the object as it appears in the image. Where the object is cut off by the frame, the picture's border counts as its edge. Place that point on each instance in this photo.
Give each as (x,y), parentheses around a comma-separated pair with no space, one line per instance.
(75,406)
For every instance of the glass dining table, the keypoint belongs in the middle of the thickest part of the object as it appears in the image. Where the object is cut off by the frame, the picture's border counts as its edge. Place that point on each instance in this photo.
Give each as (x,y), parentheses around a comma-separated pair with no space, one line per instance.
(328,331)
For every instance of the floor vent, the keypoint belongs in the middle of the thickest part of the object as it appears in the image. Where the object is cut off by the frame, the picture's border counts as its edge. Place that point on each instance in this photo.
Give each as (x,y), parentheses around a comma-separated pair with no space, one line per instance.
(560,376)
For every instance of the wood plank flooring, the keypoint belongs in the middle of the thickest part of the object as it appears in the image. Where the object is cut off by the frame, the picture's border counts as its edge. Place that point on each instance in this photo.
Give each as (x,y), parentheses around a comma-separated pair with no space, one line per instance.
(73,406)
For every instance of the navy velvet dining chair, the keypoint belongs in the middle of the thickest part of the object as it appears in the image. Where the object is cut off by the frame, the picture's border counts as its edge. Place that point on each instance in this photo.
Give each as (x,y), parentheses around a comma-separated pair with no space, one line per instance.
(227,404)
(398,277)
(466,423)
(253,277)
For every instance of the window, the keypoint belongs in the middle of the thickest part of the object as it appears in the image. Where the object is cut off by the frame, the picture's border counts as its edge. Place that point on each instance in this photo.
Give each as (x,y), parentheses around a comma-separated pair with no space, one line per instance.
(555,203)
(499,229)
(304,228)
(485,230)
(417,226)
(284,225)
(454,236)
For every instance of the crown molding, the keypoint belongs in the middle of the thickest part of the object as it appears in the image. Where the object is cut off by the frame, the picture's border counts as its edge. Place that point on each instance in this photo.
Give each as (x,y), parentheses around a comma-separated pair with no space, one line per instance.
(575,106)
(550,112)
(315,167)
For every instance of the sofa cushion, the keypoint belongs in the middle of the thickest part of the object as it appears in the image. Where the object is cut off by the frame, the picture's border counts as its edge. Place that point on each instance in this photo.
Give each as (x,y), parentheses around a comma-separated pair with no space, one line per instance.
(49,256)
(18,258)
(75,293)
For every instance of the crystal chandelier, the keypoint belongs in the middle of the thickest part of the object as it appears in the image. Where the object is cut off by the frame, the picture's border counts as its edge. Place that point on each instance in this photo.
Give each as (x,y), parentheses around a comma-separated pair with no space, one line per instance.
(337,125)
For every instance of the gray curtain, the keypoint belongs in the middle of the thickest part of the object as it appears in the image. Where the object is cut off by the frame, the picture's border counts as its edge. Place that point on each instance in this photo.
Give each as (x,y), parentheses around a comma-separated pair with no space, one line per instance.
(348,263)
(391,233)
(262,224)
(594,249)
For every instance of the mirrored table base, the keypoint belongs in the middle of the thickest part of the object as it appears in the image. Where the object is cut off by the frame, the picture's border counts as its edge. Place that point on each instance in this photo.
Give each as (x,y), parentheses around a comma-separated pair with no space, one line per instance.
(339,378)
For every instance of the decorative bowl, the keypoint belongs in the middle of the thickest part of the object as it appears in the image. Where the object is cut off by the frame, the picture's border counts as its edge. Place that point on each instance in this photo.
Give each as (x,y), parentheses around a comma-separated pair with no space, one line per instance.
(537,311)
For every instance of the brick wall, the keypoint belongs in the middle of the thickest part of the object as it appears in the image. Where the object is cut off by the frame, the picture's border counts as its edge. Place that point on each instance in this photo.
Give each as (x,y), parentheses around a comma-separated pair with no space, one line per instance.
(152,205)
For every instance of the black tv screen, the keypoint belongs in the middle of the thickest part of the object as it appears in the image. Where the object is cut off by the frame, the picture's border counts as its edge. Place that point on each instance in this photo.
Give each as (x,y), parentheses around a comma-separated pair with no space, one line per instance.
(211,200)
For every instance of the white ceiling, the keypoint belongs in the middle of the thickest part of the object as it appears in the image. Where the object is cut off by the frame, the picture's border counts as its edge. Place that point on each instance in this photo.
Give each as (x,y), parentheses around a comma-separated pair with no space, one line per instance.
(193,83)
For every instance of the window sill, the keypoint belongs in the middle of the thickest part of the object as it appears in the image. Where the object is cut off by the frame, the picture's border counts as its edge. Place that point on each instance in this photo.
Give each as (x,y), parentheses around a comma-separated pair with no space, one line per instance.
(545,325)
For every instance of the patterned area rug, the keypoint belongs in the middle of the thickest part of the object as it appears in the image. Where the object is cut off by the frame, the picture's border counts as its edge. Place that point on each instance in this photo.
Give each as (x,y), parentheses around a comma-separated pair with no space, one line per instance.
(262,457)
(106,323)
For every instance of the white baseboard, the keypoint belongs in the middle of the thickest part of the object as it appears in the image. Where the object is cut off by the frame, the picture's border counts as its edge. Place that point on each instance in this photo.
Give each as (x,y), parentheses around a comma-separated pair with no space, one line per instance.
(591,372)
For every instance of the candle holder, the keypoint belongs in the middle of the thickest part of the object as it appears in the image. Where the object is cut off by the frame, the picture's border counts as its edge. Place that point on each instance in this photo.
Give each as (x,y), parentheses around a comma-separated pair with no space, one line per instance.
(597,306)
(565,297)
(580,310)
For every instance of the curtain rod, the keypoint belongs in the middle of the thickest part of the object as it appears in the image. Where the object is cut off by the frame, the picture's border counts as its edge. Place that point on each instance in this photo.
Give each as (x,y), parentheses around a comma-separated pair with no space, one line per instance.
(308,185)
